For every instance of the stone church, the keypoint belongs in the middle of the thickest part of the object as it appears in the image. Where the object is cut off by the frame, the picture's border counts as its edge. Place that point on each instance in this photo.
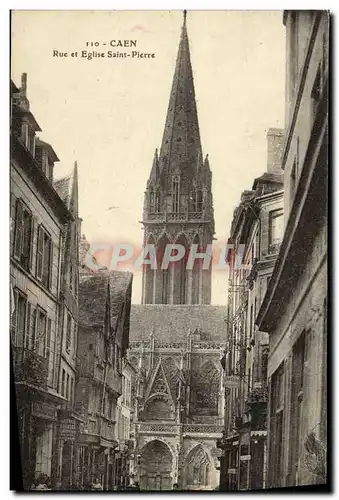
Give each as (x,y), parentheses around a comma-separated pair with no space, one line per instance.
(176,336)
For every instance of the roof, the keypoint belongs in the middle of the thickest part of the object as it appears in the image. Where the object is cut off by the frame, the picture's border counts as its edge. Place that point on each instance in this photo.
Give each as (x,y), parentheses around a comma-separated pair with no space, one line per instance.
(173,322)
(181,138)
(92,299)
(120,281)
(64,188)
(269,177)
(93,295)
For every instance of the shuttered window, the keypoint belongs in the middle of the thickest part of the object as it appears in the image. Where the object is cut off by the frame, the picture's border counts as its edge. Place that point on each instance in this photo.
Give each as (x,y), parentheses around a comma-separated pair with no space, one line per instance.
(41,332)
(68,331)
(28,331)
(44,257)
(23,239)
(48,338)
(19,319)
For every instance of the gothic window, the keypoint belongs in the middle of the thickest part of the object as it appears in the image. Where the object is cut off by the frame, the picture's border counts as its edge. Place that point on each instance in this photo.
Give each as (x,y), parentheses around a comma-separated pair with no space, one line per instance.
(158,409)
(175,194)
(157,201)
(152,200)
(149,278)
(180,274)
(196,274)
(199,199)
(172,375)
(206,390)
(164,286)
(183,281)
(163,296)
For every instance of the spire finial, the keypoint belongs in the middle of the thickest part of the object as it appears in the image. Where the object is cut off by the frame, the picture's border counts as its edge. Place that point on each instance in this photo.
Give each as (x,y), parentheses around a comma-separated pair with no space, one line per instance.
(185,14)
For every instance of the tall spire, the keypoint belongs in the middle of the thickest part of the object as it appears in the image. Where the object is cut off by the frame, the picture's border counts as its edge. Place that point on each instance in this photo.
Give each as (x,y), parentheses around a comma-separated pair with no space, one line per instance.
(181,146)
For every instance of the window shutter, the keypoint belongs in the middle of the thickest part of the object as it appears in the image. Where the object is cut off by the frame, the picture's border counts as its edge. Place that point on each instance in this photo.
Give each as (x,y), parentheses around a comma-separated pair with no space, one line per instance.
(34,329)
(39,252)
(14,317)
(31,244)
(28,331)
(50,270)
(18,229)
(48,338)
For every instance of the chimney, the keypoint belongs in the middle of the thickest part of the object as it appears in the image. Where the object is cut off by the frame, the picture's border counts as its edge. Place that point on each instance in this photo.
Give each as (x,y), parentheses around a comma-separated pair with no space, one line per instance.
(275,144)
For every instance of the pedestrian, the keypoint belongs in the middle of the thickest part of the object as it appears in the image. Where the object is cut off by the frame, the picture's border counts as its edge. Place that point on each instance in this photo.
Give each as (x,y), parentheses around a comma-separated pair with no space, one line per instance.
(42,483)
(97,486)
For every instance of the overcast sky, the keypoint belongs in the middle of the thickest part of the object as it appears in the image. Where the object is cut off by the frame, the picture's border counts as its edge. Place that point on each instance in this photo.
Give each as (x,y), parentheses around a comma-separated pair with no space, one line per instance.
(109,114)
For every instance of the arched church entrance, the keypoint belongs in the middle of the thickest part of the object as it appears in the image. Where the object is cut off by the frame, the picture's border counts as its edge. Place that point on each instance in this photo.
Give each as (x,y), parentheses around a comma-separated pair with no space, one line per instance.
(196,470)
(156,467)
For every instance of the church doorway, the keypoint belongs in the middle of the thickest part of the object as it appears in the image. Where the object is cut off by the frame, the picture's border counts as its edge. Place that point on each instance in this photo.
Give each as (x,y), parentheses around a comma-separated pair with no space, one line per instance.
(156,467)
(196,471)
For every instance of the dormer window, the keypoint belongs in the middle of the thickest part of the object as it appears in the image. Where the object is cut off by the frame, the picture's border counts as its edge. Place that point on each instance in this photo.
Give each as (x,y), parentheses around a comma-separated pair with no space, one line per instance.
(45,157)
(176,194)
(45,164)
(28,138)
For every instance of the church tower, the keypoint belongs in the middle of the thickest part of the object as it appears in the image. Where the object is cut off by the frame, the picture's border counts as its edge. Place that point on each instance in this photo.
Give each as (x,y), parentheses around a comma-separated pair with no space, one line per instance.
(178,205)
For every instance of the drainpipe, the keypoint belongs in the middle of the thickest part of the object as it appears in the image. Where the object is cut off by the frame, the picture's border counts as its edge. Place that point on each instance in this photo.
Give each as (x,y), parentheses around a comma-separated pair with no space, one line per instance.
(61,308)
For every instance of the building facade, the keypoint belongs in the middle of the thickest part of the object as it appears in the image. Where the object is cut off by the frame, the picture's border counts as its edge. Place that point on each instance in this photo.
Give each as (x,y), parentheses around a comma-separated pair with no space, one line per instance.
(39,237)
(178,394)
(104,311)
(67,455)
(176,336)
(257,226)
(294,310)
(125,453)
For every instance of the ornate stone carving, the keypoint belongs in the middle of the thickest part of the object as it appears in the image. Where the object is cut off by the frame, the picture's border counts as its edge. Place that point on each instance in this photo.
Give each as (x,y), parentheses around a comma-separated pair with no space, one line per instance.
(203,429)
(145,427)
(205,390)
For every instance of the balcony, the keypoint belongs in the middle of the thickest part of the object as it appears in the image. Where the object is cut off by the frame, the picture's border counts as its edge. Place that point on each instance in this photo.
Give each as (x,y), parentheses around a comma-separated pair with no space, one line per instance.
(29,367)
(175,216)
(203,428)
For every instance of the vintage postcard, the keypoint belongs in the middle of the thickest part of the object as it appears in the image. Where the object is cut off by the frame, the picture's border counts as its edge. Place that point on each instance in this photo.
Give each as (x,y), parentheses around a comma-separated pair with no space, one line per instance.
(168,250)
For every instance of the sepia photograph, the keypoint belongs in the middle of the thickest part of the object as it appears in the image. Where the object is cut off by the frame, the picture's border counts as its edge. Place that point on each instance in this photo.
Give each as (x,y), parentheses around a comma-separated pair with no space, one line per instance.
(168,244)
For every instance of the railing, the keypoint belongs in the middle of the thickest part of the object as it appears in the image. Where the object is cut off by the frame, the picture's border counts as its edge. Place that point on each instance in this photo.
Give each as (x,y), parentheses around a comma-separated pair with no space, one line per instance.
(173,428)
(137,344)
(178,345)
(207,345)
(28,366)
(203,428)
(170,345)
(175,216)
